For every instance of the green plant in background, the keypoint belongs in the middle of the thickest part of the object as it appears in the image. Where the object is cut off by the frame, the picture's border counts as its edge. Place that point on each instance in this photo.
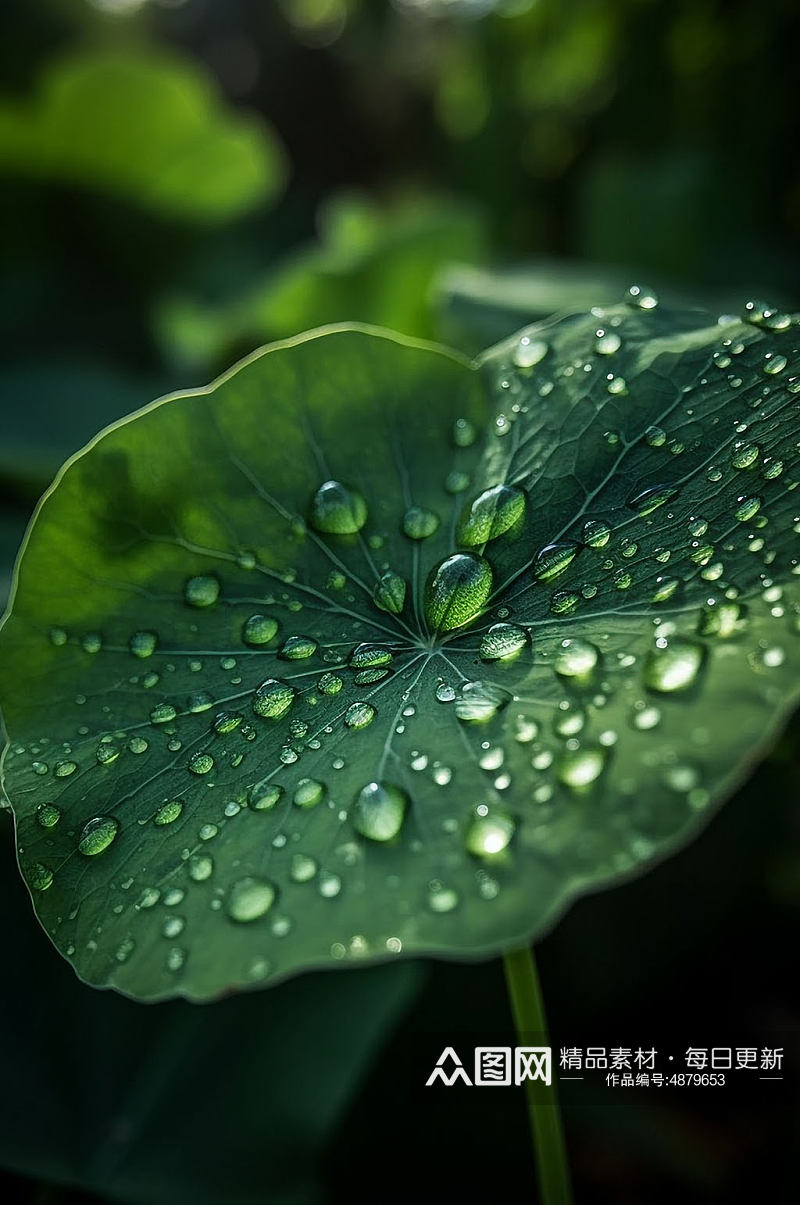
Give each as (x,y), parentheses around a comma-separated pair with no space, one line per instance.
(147,126)
(370,651)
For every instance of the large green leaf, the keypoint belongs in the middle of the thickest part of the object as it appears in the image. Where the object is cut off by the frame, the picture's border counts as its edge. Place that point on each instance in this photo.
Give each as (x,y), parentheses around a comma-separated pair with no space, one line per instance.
(146,126)
(370,265)
(411,749)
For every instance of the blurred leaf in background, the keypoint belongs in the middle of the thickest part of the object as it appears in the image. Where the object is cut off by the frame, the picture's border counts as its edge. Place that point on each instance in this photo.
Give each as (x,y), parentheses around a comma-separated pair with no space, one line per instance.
(146,125)
(372,264)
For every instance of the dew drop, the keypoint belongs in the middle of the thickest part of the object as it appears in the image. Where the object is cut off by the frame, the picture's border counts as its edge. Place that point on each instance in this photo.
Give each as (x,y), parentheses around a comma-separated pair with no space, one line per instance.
(456,590)
(143,644)
(359,715)
(673,665)
(502,642)
(490,515)
(481,701)
(337,510)
(273,699)
(201,867)
(579,768)
(168,812)
(202,591)
(308,793)
(249,899)
(369,656)
(419,523)
(575,658)
(489,834)
(200,763)
(596,533)
(464,433)
(379,811)
(529,352)
(48,815)
(259,629)
(552,560)
(646,501)
(390,593)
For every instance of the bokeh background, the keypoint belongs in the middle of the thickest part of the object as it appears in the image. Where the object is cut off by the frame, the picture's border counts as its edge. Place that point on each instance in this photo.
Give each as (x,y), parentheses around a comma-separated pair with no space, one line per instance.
(184,180)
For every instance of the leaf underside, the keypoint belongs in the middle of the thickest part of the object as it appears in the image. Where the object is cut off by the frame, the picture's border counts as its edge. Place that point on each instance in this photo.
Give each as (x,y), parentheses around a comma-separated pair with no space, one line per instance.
(207,800)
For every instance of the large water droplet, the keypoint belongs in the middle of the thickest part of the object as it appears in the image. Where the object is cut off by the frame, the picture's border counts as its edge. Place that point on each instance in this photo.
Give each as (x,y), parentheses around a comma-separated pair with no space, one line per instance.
(273,699)
(575,658)
(379,811)
(368,656)
(419,523)
(456,590)
(264,795)
(202,591)
(359,715)
(143,644)
(552,560)
(481,701)
(168,812)
(390,593)
(297,648)
(259,629)
(646,501)
(308,793)
(48,815)
(97,834)
(502,641)
(490,515)
(579,768)
(673,665)
(250,898)
(490,833)
(337,510)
